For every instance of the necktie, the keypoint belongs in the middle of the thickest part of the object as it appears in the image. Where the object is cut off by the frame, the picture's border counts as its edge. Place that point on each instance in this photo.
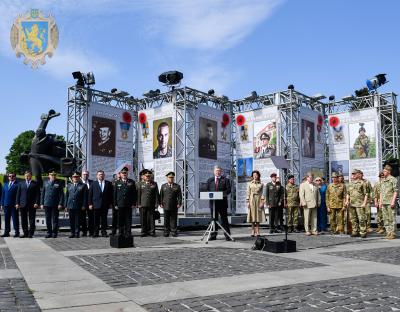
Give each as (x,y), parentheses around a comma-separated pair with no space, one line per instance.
(216,184)
(27,184)
(101,186)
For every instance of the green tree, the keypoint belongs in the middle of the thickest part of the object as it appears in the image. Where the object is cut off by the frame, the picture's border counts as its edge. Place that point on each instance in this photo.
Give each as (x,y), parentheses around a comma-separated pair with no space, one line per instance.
(22,143)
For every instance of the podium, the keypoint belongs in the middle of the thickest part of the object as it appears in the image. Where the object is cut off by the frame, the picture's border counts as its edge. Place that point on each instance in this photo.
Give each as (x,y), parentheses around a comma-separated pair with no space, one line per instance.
(212,227)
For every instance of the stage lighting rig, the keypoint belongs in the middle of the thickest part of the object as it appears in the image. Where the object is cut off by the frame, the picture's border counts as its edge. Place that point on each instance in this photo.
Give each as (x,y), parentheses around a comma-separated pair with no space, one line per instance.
(223,99)
(348,98)
(170,78)
(211,92)
(252,97)
(152,93)
(318,97)
(119,93)
(331,98)
(361,92)
(84,79)
(376,82)
(290,87)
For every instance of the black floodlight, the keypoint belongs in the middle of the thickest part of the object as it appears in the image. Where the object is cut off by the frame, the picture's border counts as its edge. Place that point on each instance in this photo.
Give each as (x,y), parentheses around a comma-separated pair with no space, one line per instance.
(290,87)
(152,93)
(252,97)
(90,79)
(361,92)
(376,82)
(211,92)
(80,79)
(171,77)
(331,98)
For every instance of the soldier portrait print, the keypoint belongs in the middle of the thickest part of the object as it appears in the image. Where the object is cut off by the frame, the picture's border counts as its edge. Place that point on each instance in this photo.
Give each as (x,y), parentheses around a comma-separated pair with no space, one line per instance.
(307,139)
(264,139)
(207,138)
(362,140)
(162,138)
(103,137)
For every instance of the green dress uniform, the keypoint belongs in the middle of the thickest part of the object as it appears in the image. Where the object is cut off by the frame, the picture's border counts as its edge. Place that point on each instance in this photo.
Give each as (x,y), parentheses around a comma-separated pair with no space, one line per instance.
(254,196)
(124,198)
(148,199)
(273,195)
(379,215)
(335,201)
(368,207)
(388,187)
(293,203)
(357,191)
(170,199)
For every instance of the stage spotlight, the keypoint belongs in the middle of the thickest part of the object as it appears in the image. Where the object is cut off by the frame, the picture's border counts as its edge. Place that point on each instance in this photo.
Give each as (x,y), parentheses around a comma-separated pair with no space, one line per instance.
(223,99)
(80,79)
(361,92)
(331,98)
(252,97)
(290,87)
(376,82)
(171,77)
(120,93)
(211,92)
(348,98)
(318,97)
(90,79)
(152,93)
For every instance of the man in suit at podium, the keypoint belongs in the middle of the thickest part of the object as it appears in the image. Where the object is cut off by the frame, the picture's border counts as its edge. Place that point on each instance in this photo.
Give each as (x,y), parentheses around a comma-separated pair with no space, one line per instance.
(100,200)
(220,183)
(28,200)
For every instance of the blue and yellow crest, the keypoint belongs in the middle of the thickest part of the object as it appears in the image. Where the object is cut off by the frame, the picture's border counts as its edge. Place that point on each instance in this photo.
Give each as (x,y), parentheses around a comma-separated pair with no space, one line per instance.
(34,36)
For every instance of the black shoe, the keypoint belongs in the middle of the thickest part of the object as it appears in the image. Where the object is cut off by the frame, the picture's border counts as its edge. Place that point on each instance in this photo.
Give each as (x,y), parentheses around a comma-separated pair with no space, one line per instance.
(95,235)
(175,235)
(296,231)
(55,235)
(30,236)
(104,235)
(23,236)
(71,236)
(271,231)
(49,235)
(213,238)
(228,239)
(143,235)
(166,234)
(84,234)
(153,234)
(16,235)
(5,235)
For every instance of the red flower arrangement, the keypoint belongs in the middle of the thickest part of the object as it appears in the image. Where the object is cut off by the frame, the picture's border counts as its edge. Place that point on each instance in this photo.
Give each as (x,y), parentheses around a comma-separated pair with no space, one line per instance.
(127,117)
(240,120)
(225,120)
(320,120)
(142,118)
(334,121)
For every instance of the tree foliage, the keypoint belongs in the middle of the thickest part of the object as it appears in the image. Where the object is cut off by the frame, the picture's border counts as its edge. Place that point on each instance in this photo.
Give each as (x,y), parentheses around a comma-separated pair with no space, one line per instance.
(21,144)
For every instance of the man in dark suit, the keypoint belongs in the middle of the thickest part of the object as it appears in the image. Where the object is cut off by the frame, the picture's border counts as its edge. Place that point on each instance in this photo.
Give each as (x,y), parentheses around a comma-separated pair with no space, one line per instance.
(28,200)
(170,201)
(9,195)
(52,199)
(148,198)
(100,200)
(1,193)
(219,183)
(125,195)
(87,221)
(273,195)
(75,201)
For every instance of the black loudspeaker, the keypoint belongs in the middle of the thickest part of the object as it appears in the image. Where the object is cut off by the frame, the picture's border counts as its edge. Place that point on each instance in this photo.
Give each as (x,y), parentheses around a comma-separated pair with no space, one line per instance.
(67,166)
(394,163)
(121,241)
(280,246)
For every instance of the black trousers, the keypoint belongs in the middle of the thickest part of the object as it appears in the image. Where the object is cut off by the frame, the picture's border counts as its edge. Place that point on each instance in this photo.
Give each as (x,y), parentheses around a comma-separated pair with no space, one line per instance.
(147,220)
(74,220)
(86,221)
(28,213)
(124,220)
(170,221)
(52,214)
(222,212)
(114,225)
(11,212)
(273,217)
(100,220)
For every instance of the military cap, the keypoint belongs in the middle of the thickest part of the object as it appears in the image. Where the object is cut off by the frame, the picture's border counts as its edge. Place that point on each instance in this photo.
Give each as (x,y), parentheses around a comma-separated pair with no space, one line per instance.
(52,171)
(76,174)
(264,136)
(388,168)
(355,171)
(335,175)
(290,176)
(170,174)
(339,174)
(273,175)
(125,169)
(148,173)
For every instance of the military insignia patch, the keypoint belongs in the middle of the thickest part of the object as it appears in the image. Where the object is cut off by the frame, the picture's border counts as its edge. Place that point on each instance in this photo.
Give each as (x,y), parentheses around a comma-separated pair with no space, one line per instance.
(34,36)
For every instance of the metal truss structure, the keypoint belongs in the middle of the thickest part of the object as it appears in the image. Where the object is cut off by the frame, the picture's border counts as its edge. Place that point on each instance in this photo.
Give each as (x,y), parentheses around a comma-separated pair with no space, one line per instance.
(386,106)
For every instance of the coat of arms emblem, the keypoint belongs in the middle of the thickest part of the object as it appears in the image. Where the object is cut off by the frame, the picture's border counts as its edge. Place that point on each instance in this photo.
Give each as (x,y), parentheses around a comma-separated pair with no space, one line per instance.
(34,36)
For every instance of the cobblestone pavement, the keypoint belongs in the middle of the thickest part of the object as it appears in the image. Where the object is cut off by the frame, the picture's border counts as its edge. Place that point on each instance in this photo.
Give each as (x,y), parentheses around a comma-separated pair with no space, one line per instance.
(15,296)
(6,260)
(86,243)
(389,255)
(304,242)
(148,268)
(2,241)
(362,293)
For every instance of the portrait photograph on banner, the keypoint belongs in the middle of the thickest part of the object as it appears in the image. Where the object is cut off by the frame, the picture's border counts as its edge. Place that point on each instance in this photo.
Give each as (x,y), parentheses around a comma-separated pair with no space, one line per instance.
(162,138)
(340,167)
(307,138)
(264,141)
(244,169)
(103,136)
(362,140)
(208,138)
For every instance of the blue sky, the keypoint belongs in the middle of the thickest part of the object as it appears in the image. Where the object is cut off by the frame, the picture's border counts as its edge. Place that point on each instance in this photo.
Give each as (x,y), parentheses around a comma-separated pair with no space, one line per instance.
(234,47)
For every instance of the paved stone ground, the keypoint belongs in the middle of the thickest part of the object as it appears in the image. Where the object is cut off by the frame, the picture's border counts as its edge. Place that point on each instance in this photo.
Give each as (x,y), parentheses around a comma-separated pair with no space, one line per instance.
(384,255)
(6,260)
(362,293)
(16,296)
(149,268)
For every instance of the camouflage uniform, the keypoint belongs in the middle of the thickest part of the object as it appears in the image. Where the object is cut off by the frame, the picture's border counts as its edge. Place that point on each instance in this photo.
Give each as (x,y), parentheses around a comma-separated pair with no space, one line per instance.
(388,186)
(293,203)
(368,207)
(335,201)
(379,216)
(357,191)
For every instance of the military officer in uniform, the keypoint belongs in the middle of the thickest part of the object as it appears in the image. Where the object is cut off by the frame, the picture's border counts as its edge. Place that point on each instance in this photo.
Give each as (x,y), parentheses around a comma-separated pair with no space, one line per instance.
(336,204)
(379,216)
(148,199)
(207,147)
(75,202)
(387,201)
(125,195)
(52,199)
(273,195)
(170,201)
(368,208)
(357,197)
(292,203)
(265,150)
